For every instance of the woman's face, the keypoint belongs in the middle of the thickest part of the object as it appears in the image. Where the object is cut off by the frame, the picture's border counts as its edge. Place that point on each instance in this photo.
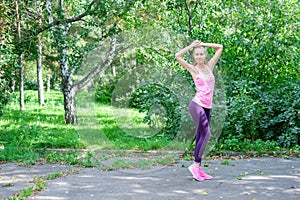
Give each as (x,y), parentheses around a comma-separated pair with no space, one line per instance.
(199,55)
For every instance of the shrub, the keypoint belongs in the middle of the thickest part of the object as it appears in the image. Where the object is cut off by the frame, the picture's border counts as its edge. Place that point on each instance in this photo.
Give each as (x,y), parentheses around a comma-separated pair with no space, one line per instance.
(269,114)
(105,89)
(144,98)
(5,90)
(280,114)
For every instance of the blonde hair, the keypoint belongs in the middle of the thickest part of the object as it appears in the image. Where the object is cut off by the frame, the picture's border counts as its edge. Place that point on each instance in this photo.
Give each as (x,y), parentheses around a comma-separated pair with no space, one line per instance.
(200,47)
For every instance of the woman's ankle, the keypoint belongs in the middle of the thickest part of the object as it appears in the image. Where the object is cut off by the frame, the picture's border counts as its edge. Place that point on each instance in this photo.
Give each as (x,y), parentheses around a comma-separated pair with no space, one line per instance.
(197,165)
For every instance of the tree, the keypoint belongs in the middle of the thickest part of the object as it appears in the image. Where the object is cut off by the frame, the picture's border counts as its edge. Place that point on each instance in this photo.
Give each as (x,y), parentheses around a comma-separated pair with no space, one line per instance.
(101,10)
(21,73)
(39,66)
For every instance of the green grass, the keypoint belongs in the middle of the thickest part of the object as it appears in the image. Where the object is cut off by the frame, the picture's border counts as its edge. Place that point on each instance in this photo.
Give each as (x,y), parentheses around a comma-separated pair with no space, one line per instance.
(24,134)
(114,133)
(234,144)
(107,127)
(38,127)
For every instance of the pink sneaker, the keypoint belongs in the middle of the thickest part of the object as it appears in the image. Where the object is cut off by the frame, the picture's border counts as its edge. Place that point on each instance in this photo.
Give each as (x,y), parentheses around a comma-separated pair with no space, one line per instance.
(195,173)
(203,175)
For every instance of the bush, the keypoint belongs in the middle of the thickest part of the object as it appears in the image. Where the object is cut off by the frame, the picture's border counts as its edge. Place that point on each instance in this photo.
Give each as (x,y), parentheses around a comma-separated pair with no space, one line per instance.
(104,90)
(5,90)
(280,114)
(144,98)
(30,85)
(272,114)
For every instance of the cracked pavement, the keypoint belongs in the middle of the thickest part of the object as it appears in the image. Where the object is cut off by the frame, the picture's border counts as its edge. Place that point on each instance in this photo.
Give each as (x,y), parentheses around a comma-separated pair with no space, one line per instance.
(254,178)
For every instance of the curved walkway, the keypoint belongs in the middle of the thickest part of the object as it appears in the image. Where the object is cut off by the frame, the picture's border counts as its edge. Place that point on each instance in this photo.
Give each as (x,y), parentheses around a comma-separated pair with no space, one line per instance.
(254,179)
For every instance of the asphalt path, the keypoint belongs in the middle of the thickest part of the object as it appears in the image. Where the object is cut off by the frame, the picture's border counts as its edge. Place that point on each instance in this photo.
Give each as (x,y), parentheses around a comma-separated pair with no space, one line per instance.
(254,179)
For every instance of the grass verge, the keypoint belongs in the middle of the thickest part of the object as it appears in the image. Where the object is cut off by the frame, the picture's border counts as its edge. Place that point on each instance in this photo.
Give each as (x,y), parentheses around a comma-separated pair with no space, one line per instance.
(26,135)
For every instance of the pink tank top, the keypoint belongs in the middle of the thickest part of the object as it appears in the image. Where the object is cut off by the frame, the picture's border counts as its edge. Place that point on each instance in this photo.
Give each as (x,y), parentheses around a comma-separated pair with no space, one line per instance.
(205,91)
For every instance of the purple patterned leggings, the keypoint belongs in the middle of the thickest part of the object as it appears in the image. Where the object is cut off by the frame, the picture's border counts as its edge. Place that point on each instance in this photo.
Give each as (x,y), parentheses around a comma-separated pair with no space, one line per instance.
(201,117)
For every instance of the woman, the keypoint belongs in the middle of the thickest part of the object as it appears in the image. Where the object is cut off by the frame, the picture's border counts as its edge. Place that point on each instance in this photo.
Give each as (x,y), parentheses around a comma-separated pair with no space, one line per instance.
(202,73)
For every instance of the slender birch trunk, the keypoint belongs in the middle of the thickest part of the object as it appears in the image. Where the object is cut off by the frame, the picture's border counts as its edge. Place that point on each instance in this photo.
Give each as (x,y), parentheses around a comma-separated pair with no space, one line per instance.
(21,73)
(48,82)
(40,71)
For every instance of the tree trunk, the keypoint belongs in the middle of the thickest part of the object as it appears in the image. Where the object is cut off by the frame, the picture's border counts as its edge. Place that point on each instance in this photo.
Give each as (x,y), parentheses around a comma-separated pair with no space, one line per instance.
(48,83)
(21,89)
(70,106)
(21,73)
(67,84)
(12,84)
(40,71)
(53,79)
(113,71)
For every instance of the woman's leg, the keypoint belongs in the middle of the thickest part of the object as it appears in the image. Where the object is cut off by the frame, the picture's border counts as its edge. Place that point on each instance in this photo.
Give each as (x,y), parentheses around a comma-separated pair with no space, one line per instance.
(201,117)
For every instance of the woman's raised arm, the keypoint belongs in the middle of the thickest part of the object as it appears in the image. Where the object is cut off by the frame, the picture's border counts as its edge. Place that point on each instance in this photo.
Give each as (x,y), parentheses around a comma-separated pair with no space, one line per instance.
(180,53)
(219,48)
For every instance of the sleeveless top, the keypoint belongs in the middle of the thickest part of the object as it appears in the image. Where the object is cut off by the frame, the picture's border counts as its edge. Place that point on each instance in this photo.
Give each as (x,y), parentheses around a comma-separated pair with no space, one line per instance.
(205,91)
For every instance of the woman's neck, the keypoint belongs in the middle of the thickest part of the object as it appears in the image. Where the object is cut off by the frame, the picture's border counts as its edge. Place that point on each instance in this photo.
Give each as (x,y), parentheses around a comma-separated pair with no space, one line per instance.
(200,65)
(203,70)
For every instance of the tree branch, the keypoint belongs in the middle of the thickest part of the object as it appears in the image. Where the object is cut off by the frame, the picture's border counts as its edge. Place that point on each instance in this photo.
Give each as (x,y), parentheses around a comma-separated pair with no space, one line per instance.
(68,21)
(98,69)
(196,4)
(104,36)
(179,18)
(190,15)
(158,50)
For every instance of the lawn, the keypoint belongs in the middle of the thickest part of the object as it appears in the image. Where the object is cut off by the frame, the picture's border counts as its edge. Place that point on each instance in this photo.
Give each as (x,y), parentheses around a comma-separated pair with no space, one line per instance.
(99,127)
(29,134)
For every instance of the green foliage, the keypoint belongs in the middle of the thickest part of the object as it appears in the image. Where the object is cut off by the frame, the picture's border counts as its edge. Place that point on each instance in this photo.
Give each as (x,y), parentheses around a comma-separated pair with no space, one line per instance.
(6,57)
(122,140)
(5,89)
(70,157)
(147,99)
(280,115)
(24,135)
(24,194)
(227,162)
(54,175)
(270,113)
(40,184)
(104,89)
(14,152)
(232,143)
(136,65)
(38,127)
(259,64)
